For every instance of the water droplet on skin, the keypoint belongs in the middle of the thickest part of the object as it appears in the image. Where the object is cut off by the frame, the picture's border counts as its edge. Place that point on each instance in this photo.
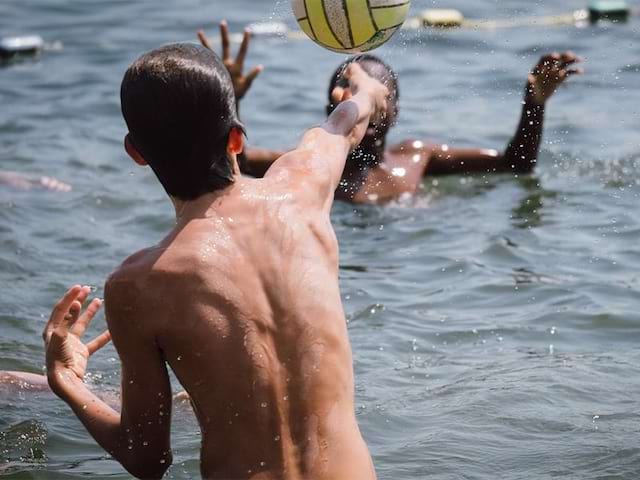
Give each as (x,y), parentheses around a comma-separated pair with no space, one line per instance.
(262,464)
(145,444)
(276,438)
(179,357)
(264,404)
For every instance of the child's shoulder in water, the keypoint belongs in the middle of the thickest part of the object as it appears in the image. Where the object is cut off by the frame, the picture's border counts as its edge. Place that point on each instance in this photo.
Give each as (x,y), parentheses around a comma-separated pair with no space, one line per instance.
(23,381)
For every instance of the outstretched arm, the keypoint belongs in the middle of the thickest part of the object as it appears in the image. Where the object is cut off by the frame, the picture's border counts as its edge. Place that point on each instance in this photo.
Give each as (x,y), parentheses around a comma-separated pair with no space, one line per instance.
(138,436)
(321,154)
(521,153)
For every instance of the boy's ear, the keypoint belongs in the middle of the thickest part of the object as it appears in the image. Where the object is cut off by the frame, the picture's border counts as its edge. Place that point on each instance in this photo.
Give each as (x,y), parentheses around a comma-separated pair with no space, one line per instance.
(133,152)
(235,144)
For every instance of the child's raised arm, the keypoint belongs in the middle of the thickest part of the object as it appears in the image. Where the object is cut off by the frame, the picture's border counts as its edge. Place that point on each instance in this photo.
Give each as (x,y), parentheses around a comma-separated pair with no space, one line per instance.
(322,152)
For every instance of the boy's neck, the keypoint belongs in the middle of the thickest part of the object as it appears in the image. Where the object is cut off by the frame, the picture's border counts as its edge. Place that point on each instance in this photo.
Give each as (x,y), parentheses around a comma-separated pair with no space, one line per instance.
(197,208)
(200,207)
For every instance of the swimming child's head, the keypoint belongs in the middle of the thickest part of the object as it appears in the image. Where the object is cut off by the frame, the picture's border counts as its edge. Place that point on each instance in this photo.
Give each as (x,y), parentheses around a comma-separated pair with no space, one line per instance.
(179,105)
(382,72)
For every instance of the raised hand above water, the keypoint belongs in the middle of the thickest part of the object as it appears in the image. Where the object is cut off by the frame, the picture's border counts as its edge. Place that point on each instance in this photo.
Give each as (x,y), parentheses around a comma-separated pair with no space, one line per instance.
(551,71)
(66,354)
(241,82)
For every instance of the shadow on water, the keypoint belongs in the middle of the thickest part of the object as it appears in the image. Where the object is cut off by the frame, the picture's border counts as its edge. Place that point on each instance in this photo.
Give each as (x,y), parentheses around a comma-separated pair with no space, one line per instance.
(529,213)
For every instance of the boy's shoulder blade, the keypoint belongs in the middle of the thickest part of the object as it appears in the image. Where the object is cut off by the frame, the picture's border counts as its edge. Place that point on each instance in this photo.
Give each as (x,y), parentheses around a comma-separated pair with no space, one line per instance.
(135,263)
(133,271)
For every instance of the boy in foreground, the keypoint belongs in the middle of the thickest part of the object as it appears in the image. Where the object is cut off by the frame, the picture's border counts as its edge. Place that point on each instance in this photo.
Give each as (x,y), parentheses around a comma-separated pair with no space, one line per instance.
(377,172)
(241,299)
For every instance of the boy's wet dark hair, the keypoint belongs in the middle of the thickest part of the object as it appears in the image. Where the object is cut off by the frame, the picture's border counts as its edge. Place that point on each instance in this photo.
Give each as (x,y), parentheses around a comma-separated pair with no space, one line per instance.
(375,68)
(179,105)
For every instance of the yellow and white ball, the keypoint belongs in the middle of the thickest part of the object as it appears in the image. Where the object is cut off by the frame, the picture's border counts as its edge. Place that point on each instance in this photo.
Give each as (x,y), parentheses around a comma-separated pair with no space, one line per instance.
(350,26)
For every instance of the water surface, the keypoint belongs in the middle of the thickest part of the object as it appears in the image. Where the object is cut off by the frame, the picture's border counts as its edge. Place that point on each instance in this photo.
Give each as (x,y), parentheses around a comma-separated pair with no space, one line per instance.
(495,321)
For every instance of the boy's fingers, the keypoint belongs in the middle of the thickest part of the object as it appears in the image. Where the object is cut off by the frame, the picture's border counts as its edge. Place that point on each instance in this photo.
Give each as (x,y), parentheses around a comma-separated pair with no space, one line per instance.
(244,48)
(46,334)
(547,61)
(100,341)
(351,70)
(83,295)
(337,94)
(71,317)
(569,58)
(224,35)
(62,307)
(253,74)
(85,319)
(574,71)
(204,41)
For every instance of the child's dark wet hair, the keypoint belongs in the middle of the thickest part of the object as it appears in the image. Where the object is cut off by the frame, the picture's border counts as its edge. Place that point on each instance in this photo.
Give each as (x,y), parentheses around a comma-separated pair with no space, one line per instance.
(179,105)
(375,68)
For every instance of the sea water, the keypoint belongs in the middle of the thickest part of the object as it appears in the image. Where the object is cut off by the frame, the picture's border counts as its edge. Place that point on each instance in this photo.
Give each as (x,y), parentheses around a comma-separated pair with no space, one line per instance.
(495,321)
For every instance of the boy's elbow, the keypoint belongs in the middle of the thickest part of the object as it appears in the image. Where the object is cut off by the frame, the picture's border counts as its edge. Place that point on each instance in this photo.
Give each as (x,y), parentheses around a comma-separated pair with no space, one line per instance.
(516,162)
(524,168)
(147,467)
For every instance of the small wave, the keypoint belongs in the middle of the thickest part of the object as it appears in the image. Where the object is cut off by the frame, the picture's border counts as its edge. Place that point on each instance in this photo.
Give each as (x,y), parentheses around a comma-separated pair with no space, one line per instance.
(22,443)
(612,173)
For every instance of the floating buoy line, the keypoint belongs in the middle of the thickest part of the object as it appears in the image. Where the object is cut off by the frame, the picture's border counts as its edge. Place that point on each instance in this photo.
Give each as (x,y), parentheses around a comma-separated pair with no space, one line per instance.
(613,11)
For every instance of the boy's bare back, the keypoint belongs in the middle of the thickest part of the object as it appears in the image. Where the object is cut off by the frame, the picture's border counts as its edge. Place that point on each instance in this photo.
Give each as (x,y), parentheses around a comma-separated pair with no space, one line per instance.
(247,286)
(241,299)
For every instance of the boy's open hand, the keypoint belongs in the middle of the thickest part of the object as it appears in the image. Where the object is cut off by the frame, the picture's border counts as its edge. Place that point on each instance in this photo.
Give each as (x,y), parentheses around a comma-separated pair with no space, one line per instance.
(549,74)
(360,81)
(66,354)
(241,82)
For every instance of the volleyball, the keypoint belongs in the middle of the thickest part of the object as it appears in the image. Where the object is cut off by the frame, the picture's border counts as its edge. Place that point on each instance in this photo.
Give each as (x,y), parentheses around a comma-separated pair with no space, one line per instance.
(350,26)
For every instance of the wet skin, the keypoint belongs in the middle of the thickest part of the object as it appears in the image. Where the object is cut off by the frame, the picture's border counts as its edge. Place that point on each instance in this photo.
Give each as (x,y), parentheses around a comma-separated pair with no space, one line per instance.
(242,301)
(391,173)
